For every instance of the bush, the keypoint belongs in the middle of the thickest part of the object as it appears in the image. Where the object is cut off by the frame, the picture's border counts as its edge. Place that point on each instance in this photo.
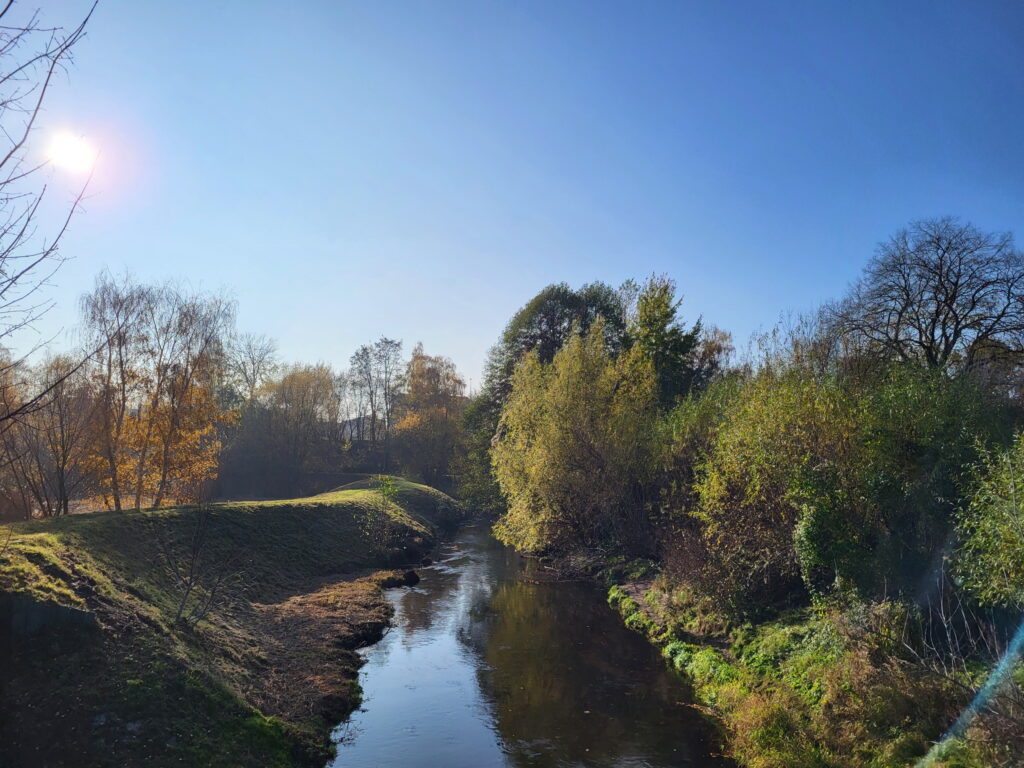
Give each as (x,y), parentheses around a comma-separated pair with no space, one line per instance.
(990,557)
(819,483)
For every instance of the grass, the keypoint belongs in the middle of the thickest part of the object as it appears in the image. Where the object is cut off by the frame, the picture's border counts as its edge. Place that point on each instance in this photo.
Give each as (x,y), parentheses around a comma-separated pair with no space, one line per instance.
(810,688)
(259,681)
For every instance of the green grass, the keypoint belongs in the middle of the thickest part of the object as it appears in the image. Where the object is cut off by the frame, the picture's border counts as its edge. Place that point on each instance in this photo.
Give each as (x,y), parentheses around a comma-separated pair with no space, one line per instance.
(144,691)
(809,688)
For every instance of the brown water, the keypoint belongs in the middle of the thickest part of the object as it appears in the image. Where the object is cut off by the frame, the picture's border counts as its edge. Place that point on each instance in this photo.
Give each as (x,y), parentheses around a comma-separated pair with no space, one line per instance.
(486,668)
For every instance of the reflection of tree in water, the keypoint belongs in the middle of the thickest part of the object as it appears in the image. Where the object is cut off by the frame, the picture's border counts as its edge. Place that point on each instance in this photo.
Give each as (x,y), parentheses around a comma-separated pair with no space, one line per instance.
(465,574)
(569,684)
(419,607)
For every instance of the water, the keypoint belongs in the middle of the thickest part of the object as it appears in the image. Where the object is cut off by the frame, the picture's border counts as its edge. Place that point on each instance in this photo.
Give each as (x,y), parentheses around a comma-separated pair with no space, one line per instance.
(486,668)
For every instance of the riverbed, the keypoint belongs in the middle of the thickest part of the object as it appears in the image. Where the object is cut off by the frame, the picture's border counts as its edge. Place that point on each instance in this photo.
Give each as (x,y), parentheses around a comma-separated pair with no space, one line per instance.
(491,663)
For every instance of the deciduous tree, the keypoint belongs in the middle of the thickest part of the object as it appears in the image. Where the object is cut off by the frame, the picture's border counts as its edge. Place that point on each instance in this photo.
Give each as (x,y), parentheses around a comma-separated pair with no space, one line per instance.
(940,292)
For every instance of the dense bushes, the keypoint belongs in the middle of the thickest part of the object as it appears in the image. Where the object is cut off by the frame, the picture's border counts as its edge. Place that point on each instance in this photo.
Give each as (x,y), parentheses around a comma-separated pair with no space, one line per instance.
(991,556)
(574,451)
(793,479)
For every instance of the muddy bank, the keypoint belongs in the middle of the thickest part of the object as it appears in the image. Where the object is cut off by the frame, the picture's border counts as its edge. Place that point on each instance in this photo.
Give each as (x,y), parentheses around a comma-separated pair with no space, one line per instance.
(310,642)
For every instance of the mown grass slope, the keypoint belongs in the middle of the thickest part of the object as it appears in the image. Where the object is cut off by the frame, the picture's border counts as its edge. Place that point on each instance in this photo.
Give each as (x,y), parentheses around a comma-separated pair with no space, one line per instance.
(259,681)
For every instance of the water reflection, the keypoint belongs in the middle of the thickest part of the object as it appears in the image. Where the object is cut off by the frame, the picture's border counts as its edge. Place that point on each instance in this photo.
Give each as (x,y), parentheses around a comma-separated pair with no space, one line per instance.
(484,669)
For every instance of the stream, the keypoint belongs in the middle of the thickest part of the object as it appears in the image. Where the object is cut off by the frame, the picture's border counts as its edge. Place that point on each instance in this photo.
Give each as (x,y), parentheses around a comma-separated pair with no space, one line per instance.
(486,667)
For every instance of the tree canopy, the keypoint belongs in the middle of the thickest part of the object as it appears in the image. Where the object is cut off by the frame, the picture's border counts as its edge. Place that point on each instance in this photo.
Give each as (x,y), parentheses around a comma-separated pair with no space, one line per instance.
(940,292)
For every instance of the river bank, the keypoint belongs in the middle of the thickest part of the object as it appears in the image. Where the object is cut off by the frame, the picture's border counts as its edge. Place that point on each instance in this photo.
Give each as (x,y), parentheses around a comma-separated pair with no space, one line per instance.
(807,687)
(99,672)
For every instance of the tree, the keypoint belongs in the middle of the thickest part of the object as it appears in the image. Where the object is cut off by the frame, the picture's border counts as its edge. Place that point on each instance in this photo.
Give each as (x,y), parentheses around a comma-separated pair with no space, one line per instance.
(112,319)
(303,412)
(252,360)
(366,389)
(471,465)
(30,56)
(427,429)
(188,412)
(574,452)
(155,377)
(542,326)
(387,359)
(547,321)
(657,332)
(939,292)
(202,577)
(47,448)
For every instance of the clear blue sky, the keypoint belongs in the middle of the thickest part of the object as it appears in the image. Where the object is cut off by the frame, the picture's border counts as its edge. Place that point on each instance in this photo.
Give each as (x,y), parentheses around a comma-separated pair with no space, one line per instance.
(421,169)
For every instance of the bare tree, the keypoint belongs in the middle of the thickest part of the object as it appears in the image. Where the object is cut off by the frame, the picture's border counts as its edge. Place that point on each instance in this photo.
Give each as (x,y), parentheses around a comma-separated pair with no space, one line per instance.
(387,358)
(252,360)
(366,385)
(31,56)
(203,578)
(46,448)
(940,292)
(375,380)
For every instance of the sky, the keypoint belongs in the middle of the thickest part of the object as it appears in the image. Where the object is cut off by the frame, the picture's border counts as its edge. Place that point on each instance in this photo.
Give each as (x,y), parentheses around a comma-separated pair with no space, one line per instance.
(419,170)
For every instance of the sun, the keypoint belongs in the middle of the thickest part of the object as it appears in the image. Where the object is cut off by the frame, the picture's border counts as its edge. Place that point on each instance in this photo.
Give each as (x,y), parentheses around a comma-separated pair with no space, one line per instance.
(72,153)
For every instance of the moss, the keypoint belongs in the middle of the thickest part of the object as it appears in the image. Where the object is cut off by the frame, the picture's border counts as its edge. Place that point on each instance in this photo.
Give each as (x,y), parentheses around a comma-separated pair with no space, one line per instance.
(615,596)
(638,622)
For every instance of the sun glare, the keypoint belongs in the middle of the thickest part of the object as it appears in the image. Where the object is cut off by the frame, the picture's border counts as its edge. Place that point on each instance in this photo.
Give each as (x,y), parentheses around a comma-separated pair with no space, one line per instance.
(72,153)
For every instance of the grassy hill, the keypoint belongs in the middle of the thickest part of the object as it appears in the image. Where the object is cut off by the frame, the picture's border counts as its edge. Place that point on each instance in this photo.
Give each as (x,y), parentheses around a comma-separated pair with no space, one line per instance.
(99,672)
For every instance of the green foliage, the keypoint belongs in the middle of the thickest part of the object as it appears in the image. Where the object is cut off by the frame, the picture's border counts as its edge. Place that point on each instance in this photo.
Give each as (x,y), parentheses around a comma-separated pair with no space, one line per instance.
(474,479)
(843,484)
(575,447)
(547,321)
(921,431)
(799,505)
(542,326)
(811,689)
(793,478)
(783,433)
(990,558)
(659,335)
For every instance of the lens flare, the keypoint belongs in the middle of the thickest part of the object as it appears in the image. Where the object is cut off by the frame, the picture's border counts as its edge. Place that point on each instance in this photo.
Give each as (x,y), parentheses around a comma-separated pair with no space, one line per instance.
(993,683)
(72,153)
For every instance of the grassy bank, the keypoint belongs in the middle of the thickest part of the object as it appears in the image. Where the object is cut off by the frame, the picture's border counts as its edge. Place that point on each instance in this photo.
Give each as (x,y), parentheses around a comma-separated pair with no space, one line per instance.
(98,672)
(809,688)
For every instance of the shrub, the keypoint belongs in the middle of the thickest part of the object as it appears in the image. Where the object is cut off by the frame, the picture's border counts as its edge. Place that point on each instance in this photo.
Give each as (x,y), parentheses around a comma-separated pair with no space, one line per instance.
(819,483)
(574,453)
(990,558)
